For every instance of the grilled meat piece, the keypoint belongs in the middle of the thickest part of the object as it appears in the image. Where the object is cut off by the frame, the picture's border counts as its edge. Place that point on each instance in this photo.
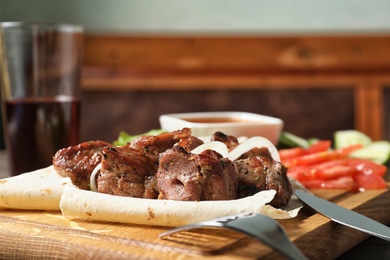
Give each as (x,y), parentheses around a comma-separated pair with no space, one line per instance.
(189,143)
(257,152)
(78,162)
(191,177)
(163,167)
(259,173)
(229,140)
(129,170)
(150,187)
(125,171)
(152,146)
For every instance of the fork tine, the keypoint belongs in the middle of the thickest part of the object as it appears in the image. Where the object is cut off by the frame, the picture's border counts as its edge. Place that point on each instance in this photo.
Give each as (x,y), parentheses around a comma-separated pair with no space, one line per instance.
(268,231)
(219,222)
(260,227)
(183,228)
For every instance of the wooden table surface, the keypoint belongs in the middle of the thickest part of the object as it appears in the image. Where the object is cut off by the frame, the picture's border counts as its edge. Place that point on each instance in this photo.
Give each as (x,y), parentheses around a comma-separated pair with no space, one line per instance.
(371,248)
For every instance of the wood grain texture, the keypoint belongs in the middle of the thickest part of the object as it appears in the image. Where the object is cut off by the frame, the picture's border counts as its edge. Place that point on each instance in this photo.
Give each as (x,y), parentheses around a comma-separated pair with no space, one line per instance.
(47,235)
(240,53)
(139,111)
(246,62)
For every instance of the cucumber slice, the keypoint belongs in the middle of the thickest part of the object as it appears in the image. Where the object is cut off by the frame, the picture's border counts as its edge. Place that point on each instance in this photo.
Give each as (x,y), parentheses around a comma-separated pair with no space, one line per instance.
(347,138)
(378,152)
(291,140)
(312,140)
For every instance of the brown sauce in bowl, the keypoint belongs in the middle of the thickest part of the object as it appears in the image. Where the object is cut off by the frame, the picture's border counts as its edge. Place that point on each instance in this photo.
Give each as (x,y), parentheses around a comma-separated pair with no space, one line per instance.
(214,120)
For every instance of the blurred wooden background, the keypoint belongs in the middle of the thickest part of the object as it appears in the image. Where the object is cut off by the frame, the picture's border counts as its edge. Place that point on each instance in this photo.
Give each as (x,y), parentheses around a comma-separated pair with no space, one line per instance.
(316,84)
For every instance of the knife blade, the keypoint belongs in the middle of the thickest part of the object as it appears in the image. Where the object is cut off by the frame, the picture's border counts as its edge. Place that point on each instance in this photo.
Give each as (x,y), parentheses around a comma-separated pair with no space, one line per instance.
(344,216)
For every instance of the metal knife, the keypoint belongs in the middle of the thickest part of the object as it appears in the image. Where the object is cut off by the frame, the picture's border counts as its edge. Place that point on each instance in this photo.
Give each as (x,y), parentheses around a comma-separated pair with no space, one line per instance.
(344,216)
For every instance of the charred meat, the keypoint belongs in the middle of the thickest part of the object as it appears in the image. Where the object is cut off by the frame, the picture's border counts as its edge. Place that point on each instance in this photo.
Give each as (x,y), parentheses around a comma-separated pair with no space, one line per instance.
(257,152)
(195,177)
(124,172)
(163,167)
(260,173)
(152,146)
(189,143)
(78,162)
(229,140)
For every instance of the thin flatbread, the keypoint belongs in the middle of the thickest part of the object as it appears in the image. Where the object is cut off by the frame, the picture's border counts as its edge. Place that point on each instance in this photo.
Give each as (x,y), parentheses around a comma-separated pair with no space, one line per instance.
(45,189)
(82,204)
(37,190)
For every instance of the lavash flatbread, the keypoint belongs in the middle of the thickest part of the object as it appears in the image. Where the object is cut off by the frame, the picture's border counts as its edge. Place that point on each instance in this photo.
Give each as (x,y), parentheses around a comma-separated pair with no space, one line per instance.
(45,189)
(37,190)
(76,203)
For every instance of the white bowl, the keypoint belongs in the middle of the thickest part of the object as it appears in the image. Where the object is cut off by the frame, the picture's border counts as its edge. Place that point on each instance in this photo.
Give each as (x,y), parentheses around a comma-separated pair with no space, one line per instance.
(237,124)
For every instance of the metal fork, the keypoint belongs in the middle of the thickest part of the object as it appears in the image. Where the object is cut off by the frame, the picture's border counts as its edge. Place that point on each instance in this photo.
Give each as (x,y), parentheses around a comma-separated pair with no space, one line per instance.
(261,227)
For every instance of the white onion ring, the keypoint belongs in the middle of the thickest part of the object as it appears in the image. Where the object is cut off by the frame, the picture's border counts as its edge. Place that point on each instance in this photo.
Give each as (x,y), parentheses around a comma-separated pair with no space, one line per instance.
(92,179)
(242,139)
(254,142)
(217,146)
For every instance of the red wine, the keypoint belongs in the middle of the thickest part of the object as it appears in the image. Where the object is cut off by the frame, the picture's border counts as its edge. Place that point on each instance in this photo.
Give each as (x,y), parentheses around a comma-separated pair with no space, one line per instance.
(37,128)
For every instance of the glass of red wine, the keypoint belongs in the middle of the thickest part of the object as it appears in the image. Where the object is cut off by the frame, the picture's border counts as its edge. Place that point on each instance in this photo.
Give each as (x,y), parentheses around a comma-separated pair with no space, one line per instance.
(40,82)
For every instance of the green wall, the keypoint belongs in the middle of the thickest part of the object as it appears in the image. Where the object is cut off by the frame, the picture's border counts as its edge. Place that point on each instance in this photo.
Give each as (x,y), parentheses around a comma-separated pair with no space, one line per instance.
(205,16)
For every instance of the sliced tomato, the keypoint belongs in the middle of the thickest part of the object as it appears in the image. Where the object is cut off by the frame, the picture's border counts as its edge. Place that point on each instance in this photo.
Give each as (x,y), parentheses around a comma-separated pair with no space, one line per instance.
(345,151)
(310,159)
(319,146)
(370,182)
(320,167)
(290,153)
(320,157)
(331,163)
(367,167)
(302,173)
(347,183)
(324,171)
(335,172)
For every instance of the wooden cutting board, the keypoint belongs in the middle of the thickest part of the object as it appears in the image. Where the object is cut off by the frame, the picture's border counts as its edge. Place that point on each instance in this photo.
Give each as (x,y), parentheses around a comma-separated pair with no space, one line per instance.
(48,235)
